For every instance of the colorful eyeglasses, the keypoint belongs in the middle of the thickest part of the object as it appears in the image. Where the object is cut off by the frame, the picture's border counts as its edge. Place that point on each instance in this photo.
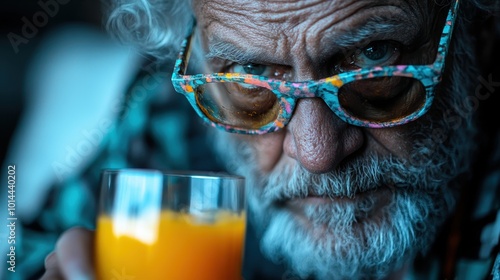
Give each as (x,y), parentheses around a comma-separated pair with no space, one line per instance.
(377,97)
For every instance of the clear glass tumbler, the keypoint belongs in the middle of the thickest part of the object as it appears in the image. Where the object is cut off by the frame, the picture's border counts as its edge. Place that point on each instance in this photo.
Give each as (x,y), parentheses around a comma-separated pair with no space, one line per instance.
(170,225)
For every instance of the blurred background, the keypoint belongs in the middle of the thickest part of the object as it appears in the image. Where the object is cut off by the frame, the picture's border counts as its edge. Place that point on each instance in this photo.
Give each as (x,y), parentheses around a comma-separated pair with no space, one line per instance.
(17,51)
(74,101)
(45,94)
(25,26)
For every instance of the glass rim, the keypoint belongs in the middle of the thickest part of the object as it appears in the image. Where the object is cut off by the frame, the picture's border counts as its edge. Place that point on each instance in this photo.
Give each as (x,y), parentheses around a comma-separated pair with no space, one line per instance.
(195,174)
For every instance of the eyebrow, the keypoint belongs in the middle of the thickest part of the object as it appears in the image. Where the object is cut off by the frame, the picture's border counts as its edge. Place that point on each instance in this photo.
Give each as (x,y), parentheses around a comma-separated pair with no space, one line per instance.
(375,28)
(229,51)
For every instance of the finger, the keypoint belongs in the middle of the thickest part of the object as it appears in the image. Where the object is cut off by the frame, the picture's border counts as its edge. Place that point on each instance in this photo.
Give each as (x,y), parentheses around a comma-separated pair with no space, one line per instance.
(51,260)
(74,253)
(52,274)
(51,268)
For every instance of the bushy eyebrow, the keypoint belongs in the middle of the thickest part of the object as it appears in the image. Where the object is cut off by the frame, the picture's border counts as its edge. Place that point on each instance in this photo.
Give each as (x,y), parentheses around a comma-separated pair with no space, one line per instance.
(220,48)
(375,28)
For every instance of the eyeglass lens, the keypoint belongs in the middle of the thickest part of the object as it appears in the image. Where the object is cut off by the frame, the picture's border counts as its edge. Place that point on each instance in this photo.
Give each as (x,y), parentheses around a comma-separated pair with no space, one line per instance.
(240,105)
(246,106)
(383,99)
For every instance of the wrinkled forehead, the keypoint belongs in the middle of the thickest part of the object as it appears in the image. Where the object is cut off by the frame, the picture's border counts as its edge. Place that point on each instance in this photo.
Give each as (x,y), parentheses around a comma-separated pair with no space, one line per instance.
(309,26)
(294,11)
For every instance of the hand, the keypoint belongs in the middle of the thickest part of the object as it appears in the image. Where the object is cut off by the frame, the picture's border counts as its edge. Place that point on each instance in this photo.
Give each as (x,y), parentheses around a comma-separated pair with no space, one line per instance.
(72,257)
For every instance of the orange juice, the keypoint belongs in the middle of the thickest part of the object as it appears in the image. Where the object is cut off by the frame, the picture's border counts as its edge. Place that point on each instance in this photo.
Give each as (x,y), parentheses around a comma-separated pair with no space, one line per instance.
(181,248)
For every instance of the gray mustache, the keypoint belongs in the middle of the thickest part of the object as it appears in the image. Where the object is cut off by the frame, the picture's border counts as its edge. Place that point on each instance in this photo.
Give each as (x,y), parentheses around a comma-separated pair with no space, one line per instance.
(296,182)
(357,177)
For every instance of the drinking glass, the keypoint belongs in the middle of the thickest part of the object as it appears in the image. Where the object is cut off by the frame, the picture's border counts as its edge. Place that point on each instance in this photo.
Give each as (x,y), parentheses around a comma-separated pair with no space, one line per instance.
(170,225)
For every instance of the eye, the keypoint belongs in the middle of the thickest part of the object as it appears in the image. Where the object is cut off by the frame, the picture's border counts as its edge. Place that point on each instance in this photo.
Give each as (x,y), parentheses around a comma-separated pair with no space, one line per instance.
(252,69)
(378,53)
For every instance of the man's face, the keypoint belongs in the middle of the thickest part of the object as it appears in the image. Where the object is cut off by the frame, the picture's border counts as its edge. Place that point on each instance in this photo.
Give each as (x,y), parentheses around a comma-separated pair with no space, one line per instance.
(327,196)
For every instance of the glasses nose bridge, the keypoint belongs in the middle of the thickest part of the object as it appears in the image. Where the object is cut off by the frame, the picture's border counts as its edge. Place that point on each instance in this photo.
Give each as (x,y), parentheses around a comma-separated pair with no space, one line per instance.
(301,90)
(325,89)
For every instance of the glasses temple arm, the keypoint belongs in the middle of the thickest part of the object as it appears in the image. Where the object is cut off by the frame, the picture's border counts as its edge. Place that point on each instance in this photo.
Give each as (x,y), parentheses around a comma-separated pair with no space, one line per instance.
(185,52)
(444,44)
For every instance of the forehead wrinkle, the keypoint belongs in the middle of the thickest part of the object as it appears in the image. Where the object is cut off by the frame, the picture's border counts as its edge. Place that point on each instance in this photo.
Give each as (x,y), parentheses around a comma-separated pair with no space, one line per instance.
(275,25)
(268,31)
(361,22)
(305,50)
(295,12)
(239,35)
(277,15)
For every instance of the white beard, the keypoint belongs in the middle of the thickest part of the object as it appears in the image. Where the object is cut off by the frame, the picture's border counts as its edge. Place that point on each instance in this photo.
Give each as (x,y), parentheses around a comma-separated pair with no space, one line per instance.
(385,210)
(359,235)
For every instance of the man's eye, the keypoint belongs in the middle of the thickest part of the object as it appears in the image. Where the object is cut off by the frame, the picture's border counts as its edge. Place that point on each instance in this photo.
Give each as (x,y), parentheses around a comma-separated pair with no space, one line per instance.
(279,72)
(378,53)
(252,69)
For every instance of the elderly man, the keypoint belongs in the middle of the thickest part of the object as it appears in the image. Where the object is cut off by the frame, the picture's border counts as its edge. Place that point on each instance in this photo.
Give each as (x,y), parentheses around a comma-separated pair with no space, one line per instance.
(346,117)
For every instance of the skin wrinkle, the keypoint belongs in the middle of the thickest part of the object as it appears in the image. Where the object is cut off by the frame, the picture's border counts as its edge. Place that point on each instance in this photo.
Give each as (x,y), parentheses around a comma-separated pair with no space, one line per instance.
(276,13)
(267,146)
(300,55)
(355,38)
(383,208)
(320,141)
(393,143)
(312,142)
(389,12)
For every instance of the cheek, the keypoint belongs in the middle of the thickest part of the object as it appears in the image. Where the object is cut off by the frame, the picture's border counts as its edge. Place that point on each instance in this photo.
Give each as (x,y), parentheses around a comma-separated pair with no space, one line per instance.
(396,141)
(268,148)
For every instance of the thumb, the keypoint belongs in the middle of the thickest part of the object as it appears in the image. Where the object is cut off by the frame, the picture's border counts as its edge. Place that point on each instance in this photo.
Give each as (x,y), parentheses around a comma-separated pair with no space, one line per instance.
(75,250)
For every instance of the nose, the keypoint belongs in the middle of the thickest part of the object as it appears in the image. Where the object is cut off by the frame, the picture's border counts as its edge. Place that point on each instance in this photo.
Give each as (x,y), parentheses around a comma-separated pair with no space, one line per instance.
(318,139)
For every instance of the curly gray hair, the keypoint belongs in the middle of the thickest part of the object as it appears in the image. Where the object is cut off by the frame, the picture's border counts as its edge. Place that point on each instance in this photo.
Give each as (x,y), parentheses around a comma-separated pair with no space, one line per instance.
(157,27)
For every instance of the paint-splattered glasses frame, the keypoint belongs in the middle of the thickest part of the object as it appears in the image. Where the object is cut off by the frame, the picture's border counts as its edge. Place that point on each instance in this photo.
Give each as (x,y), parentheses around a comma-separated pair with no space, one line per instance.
(287,93)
